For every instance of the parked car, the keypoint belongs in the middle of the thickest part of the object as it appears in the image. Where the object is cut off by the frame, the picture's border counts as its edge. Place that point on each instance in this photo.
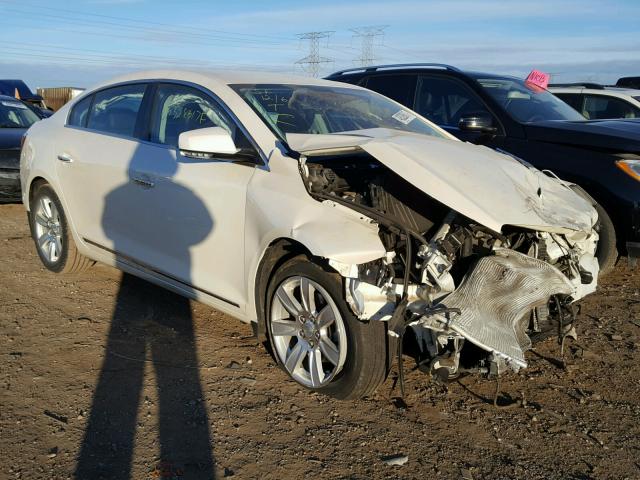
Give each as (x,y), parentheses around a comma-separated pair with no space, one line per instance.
(502,112)
(15,118)
(325,214)
(21,91)
(629,82)
(597,102)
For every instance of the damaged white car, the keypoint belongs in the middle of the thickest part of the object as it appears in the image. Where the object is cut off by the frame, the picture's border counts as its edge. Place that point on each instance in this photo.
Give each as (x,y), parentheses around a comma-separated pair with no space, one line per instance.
(332,218)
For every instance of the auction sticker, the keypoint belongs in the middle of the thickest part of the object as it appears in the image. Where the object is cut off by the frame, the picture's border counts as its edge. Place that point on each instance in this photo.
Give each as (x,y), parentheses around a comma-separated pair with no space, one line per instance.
(403,116)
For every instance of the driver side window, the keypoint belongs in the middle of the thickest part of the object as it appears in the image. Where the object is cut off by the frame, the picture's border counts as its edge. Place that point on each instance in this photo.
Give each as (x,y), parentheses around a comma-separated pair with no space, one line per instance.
(178,108)
(445,101)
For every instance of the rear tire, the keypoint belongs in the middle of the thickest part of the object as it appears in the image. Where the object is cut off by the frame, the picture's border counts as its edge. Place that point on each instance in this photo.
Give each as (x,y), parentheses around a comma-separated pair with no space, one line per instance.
(50,232)
(360,358)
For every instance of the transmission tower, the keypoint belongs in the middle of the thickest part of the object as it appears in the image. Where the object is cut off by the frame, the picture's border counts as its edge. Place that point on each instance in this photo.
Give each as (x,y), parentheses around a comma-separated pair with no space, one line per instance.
(368,35)
(311,63)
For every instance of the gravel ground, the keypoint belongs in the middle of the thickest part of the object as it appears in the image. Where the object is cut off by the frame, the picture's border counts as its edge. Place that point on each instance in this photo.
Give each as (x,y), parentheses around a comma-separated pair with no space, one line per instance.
(107,376)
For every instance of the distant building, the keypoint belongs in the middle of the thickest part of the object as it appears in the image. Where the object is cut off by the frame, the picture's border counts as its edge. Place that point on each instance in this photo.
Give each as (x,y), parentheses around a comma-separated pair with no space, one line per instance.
(56,97)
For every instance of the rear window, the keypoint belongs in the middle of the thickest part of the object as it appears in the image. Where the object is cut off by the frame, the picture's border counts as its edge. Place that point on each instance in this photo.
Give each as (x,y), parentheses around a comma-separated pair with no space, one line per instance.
(115,110)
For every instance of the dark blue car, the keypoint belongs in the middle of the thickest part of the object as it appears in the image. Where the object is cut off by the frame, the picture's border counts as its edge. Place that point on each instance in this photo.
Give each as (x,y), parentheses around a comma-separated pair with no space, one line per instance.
(16,117)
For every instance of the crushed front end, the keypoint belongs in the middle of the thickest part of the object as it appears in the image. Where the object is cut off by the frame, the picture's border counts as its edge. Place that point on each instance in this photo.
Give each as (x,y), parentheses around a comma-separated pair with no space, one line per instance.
(474,298)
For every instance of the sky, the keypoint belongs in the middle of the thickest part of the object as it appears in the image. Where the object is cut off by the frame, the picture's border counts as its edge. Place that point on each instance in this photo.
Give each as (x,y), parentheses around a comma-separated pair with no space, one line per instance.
(80,43)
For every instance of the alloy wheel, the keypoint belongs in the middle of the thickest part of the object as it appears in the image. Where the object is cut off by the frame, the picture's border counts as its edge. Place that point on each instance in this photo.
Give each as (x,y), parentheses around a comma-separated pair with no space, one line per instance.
(48,229)
(308,331)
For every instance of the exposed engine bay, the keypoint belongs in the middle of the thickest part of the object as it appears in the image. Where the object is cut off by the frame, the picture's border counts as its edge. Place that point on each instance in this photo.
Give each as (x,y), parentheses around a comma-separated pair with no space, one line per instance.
(473,298)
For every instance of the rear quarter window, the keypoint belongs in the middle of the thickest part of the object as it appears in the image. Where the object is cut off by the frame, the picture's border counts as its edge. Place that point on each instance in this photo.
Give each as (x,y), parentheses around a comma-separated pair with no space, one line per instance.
(78,116)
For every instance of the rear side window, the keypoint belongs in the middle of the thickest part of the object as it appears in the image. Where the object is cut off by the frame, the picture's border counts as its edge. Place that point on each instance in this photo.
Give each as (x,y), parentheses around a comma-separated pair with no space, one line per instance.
(115,110)
(78,117)
(400,88)
(573,99)
(600,107)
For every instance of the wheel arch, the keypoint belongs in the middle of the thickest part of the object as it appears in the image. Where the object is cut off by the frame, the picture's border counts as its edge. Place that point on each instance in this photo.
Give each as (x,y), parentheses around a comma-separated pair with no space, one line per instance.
(277,252)
(35,182)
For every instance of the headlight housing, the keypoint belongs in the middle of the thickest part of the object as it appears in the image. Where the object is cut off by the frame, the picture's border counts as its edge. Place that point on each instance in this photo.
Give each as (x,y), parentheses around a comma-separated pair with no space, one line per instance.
(630,167)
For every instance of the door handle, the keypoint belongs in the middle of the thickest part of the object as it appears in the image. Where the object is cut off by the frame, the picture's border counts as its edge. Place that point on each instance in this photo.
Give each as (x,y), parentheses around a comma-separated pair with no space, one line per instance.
(65,157)
(144,183)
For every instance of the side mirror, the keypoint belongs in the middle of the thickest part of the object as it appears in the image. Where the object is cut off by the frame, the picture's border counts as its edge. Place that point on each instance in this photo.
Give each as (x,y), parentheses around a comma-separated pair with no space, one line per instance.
(206,143)
(480,122)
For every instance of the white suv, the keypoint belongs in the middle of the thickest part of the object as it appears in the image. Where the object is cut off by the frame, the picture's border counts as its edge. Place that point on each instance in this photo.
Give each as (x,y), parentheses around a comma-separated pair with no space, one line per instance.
(597,102)
(329,216)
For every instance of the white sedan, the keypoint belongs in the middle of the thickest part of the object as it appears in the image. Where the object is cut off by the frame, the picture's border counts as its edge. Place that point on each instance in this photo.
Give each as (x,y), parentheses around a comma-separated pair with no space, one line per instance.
(332,218)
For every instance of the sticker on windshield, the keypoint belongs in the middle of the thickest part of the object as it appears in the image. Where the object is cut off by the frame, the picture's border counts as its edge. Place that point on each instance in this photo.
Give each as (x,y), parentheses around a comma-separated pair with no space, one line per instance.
(403,116)
(14,105)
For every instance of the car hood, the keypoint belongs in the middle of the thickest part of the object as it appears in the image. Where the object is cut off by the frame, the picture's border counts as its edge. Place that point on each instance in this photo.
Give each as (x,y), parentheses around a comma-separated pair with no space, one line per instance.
(621,135)
(488,187)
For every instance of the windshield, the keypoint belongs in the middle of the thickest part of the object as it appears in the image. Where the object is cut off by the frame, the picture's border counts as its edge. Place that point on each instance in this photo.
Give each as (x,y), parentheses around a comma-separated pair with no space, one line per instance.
(323,109)
(15,114)
(526,102)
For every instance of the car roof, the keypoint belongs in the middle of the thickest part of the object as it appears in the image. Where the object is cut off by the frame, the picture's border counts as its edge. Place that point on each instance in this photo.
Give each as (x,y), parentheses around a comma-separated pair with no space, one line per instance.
(8,97)
(603,91)
(415,67)
(221,78)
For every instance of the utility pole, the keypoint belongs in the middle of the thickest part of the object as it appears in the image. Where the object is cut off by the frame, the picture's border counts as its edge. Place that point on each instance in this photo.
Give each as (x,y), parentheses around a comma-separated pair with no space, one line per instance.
(312,61)
(368,36)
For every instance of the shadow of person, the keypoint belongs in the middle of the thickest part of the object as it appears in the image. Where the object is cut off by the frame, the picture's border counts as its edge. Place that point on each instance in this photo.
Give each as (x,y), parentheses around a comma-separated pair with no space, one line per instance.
(152,224)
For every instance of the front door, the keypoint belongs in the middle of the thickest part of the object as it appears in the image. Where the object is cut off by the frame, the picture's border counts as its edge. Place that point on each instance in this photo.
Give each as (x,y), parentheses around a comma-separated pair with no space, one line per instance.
(190,215)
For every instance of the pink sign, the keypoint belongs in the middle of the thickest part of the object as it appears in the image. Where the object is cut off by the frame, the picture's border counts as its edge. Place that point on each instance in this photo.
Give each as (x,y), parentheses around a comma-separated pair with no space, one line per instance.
(539,79)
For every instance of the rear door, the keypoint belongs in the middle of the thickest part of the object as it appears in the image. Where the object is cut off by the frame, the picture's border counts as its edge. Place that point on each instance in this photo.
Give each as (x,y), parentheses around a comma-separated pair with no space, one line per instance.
(94,153)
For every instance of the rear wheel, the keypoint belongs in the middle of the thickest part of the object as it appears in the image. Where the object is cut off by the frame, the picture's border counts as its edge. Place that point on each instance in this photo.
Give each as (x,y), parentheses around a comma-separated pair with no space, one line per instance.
(315,337)
(50,232)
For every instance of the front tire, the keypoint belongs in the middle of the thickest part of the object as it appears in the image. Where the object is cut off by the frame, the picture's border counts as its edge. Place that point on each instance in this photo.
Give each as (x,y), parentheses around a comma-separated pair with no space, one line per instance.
(316,338)
(50,232)
(606,251)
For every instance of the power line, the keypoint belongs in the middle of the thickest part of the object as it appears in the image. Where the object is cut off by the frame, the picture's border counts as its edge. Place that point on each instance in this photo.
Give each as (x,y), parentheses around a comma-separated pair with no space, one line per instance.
(313,60)
(155,39)
(173,27)
(157,34)
(368,35)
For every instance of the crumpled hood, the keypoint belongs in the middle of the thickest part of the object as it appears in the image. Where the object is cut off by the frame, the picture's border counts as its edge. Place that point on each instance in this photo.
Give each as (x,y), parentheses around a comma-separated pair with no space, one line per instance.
(488,187)
(620,135)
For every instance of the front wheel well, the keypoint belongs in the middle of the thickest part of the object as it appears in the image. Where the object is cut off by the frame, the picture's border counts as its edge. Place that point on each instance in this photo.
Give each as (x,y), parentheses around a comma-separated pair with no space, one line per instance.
(33,186)
(277,253)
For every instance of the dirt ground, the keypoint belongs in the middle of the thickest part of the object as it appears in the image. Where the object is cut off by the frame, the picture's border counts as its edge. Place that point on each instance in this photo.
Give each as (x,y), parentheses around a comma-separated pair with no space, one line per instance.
(105,376)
